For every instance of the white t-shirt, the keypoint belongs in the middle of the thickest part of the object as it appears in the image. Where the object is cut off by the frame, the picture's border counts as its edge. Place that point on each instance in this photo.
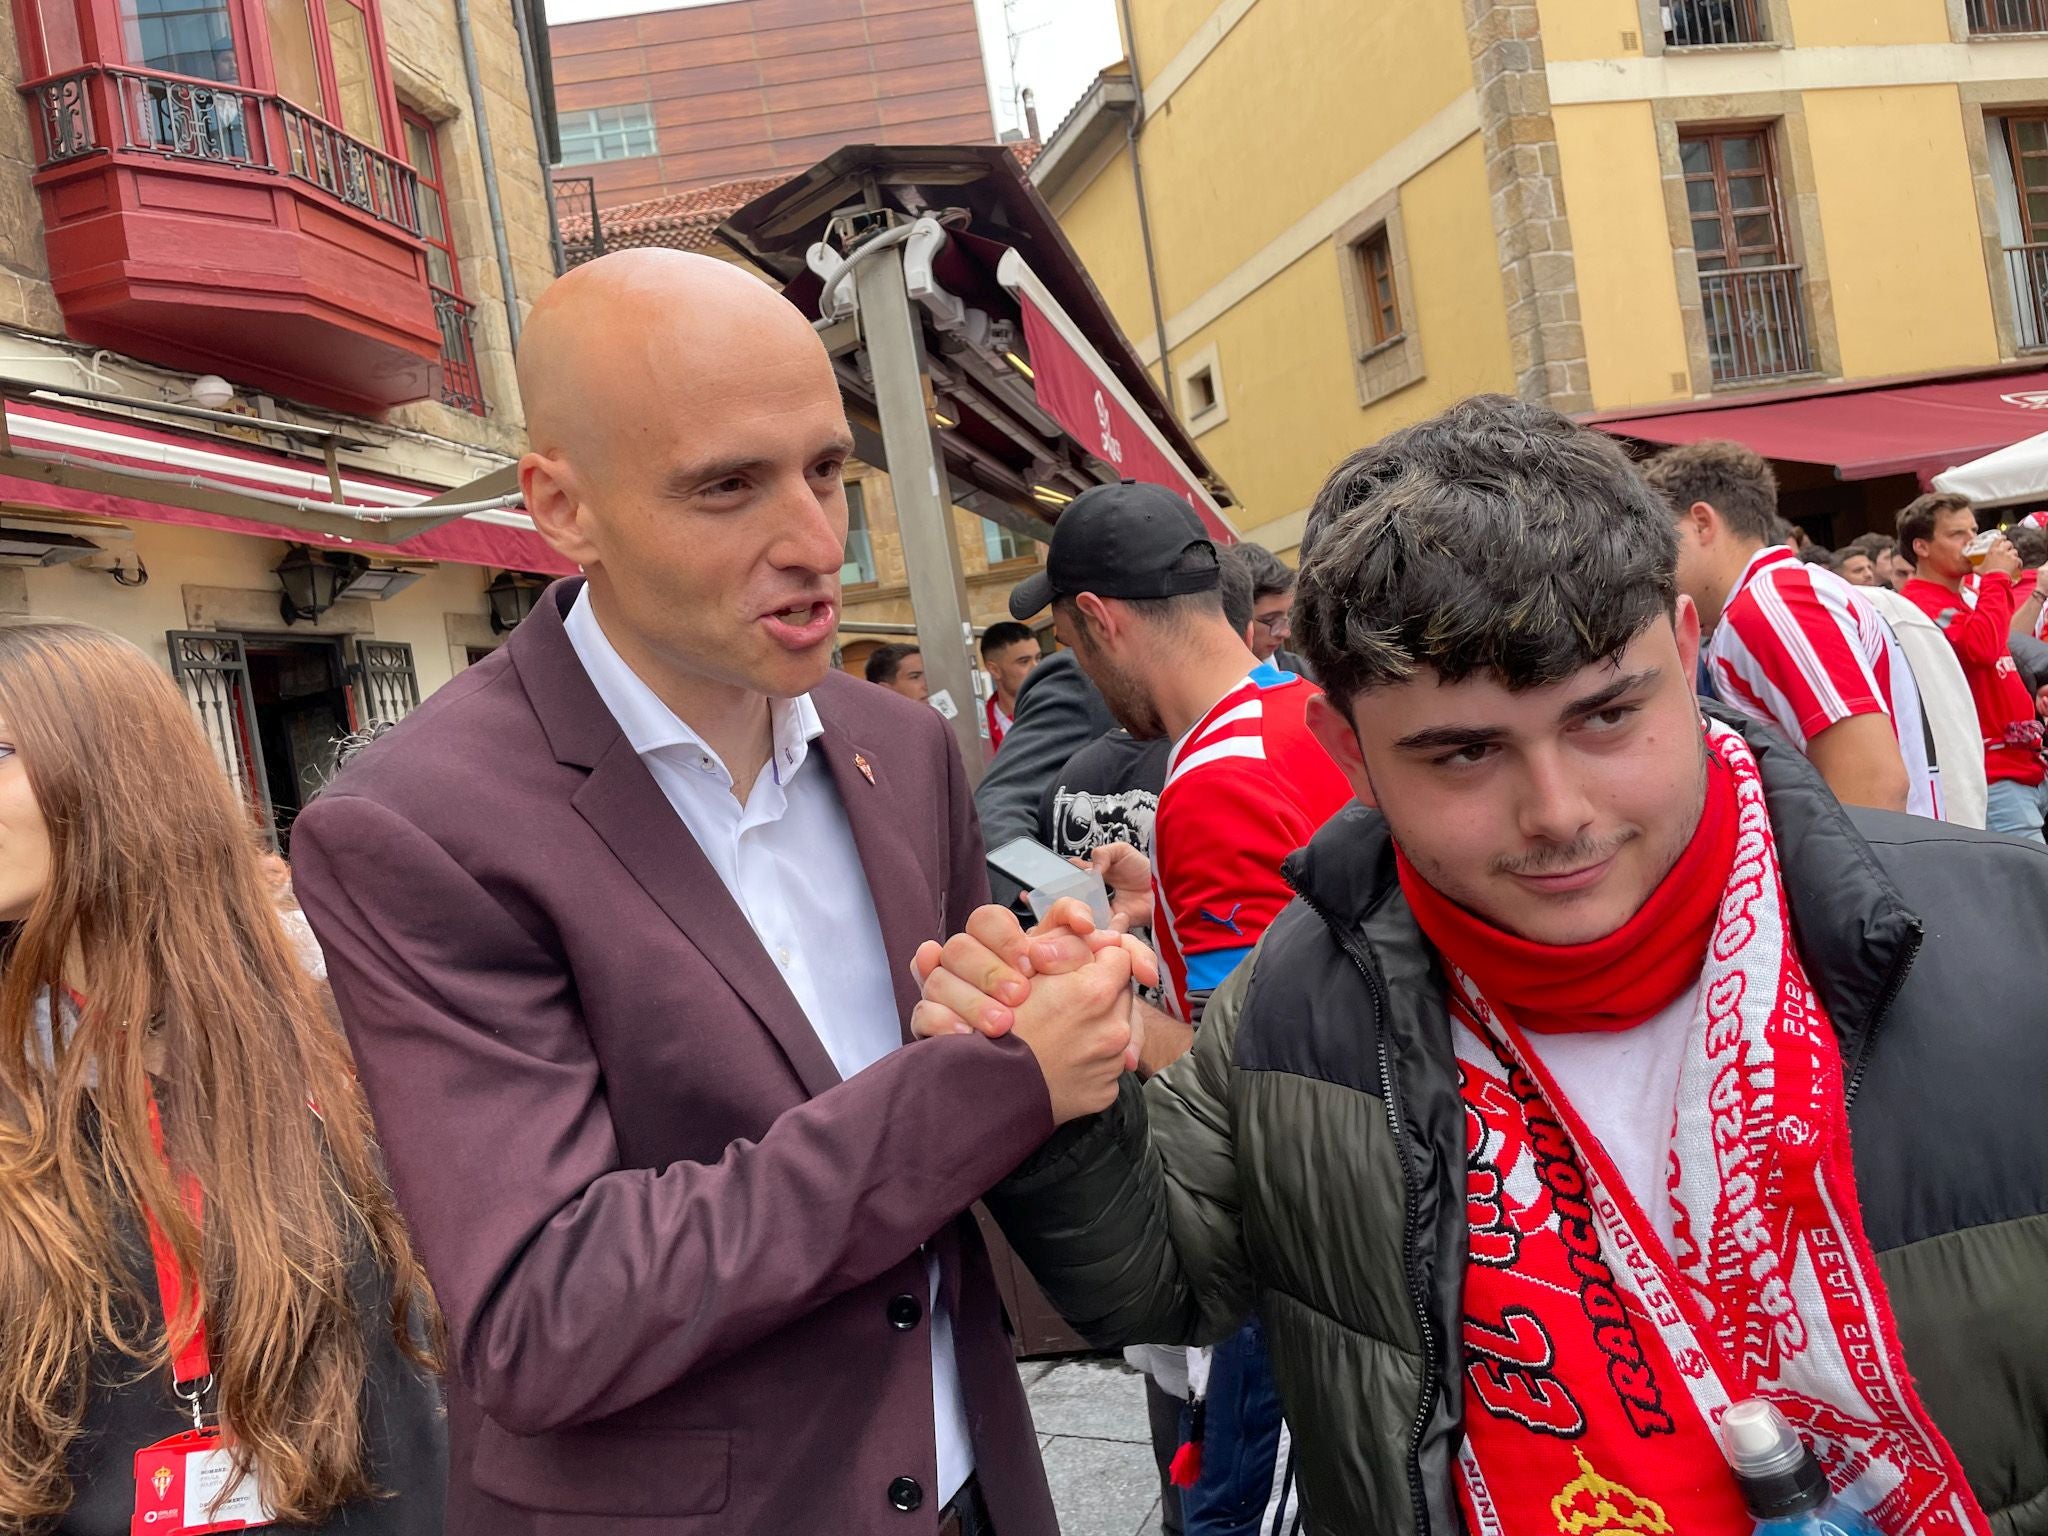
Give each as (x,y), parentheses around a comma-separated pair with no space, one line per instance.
(1624,1086)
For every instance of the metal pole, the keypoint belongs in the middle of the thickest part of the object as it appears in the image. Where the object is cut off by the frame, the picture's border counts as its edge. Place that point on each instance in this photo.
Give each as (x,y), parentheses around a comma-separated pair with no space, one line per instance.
(924,511)
(481,113)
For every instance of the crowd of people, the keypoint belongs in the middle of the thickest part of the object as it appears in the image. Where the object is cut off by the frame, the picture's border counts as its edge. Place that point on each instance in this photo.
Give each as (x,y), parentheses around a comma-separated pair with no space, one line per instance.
(1554,990)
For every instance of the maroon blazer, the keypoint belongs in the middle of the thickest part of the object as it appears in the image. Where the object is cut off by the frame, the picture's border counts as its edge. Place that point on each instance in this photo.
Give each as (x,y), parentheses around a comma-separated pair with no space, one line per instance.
(679,1257)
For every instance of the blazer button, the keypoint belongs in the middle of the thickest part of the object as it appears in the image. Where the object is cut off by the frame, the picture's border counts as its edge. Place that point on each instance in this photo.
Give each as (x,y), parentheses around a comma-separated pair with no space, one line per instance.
(905,1312)
(906,1494)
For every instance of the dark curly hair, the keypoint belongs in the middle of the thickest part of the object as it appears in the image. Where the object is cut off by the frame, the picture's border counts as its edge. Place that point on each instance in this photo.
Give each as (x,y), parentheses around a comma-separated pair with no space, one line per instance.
(1497,537)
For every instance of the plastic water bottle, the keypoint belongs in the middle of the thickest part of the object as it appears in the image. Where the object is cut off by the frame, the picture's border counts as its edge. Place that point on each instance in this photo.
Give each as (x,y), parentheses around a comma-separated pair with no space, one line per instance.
(1781,1481)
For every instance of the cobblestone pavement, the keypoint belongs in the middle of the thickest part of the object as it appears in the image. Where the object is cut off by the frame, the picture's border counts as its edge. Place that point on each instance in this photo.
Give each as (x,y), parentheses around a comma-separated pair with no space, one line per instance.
(1098,1453)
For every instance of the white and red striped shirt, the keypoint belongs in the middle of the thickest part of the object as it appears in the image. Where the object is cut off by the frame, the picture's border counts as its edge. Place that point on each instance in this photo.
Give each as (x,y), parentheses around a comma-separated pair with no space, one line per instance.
(1799,648)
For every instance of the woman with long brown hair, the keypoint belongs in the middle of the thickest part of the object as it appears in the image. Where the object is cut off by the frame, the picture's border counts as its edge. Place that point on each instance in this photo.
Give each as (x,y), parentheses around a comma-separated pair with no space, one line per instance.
(194,1226)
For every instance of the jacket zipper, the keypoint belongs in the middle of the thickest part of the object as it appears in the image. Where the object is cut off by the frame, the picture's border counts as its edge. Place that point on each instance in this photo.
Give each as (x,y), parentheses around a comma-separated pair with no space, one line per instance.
(1884,1003)
(1409,1261)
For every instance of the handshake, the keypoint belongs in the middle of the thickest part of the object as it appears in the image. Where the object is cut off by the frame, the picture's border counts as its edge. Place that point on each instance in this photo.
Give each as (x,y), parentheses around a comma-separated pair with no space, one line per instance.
(1064,988)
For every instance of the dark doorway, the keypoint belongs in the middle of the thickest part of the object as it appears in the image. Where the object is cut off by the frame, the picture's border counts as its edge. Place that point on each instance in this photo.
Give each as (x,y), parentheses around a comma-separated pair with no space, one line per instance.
(300,692)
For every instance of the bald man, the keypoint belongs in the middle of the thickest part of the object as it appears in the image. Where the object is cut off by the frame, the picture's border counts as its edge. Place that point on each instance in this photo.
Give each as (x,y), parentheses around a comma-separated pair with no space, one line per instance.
(620,923)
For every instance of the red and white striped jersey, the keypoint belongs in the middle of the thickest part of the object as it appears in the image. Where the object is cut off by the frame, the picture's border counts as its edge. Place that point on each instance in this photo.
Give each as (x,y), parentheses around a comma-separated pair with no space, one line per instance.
(1799,648)
(1246,786)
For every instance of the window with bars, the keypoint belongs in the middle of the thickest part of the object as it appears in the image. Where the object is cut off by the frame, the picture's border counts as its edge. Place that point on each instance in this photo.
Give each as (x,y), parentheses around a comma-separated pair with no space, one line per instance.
(1751,291)
(608,133)
(1375,256)
(2020,178)
(461,381)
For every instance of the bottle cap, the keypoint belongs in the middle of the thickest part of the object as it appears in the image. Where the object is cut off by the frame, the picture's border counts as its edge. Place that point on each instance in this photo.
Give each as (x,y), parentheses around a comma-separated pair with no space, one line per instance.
(1778,1473)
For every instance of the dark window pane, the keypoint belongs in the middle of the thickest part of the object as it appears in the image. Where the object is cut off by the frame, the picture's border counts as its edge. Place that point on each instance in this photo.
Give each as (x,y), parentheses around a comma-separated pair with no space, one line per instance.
(1743,154)
(1695,156)
(1700,197)
(1706,234)
(2033,134)
(1753,233)
(1748,192)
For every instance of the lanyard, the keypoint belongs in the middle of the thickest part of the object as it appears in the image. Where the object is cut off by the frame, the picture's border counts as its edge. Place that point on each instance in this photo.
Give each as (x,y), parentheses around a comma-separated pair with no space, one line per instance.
(189,1361)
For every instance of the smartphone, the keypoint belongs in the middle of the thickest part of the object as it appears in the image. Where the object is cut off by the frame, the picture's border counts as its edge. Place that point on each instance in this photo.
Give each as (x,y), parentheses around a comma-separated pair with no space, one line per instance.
(1046,877)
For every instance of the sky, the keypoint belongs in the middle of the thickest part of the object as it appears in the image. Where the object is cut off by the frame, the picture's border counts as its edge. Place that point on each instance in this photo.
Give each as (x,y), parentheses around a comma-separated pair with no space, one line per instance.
(1061,46)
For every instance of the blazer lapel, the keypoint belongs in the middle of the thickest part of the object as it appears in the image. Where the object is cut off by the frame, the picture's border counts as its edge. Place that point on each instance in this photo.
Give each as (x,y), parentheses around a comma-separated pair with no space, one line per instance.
(627,809)
(906,899)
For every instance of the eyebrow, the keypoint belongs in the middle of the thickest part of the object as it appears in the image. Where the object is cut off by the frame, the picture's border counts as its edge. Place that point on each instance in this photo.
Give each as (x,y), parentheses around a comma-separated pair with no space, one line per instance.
(708,472)
(1453,738)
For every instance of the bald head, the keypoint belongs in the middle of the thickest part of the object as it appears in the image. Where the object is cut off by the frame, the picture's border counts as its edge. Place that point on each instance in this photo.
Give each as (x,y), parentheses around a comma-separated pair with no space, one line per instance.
(688,450)
(608,336)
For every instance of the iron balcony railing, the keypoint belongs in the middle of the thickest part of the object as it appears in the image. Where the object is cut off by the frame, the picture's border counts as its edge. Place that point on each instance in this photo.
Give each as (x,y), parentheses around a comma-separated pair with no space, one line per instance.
(1991,17)
(1756,323)
(577,220)
(2027,268)
(1712,23)
(461,386)
(136,111)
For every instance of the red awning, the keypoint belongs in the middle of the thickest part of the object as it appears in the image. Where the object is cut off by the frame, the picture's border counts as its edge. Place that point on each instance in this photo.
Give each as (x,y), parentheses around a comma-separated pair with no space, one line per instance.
(484,539)
(1863,434)
(1078,390)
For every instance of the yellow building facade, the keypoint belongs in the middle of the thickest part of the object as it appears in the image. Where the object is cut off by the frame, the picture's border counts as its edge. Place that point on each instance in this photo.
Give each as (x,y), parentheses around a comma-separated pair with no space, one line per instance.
(1322,225)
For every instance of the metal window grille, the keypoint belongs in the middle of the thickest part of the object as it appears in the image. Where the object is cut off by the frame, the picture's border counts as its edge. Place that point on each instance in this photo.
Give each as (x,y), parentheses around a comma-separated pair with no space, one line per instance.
(1995,16)
(460,385)
(578,221)
(390,685)
(1756,323)
(1712,23)
(212,671)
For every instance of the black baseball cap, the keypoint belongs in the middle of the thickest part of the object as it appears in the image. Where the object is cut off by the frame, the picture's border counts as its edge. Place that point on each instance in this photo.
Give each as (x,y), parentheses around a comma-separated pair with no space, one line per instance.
(1122,540)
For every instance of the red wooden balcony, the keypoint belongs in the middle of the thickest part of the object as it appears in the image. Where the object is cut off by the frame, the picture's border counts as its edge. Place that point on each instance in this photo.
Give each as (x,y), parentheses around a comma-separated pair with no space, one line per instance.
(225,230)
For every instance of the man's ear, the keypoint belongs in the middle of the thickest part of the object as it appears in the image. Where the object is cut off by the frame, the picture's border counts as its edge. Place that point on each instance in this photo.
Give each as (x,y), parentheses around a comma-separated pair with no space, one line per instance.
(1339,737)
(1104,618)
(553,502)
(1705,522)
(1685,624)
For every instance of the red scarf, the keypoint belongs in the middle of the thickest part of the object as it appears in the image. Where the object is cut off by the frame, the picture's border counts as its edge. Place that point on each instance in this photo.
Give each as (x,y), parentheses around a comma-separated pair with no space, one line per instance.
(1598,1357)
(1633,974)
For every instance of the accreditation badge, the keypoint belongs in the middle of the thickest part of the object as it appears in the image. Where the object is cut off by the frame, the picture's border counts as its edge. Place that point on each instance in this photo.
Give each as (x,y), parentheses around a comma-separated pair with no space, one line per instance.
(188,1486)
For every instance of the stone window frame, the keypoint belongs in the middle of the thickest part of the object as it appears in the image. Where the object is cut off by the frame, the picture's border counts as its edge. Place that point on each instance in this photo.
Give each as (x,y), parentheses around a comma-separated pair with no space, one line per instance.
(1777,29)
(1379,368)
(1784,114)
(1982,100)
(1959,29)
(1208,361)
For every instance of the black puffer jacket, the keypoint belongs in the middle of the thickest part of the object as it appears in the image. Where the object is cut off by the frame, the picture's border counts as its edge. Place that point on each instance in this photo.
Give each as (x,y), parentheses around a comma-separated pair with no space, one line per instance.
(1308,1157)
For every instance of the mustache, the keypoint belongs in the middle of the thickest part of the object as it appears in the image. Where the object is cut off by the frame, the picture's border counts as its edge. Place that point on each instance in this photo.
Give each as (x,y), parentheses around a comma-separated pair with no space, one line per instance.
(1560,858)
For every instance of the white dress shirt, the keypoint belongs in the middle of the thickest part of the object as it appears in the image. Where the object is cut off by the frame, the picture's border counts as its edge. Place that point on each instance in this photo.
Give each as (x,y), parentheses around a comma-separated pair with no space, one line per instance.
(788,859)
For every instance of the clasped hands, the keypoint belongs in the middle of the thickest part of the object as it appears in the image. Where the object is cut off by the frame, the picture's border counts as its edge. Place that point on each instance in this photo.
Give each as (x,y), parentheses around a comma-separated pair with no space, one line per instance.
(1063,988)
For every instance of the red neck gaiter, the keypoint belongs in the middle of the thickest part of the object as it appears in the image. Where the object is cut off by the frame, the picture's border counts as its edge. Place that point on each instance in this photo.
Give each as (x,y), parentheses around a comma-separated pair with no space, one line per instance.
(1610,984)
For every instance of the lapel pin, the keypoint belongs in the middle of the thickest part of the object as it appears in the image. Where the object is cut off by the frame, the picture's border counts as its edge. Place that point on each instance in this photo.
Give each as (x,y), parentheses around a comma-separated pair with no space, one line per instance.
(866,772)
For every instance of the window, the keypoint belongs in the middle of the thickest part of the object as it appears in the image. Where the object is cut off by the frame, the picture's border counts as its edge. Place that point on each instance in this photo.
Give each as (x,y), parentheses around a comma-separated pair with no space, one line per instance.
(1379,301)
(1006,544)
(859,567)
(1382,303)
(608,133)
(2019,176)
(423,154)
(1995,16)
(180,37)
(1712,23)
(1751,292)
(293,55)
(1201,393)
(355,81)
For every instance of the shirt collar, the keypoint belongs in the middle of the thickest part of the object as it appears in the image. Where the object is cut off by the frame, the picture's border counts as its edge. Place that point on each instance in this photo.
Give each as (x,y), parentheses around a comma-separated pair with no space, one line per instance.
(650,726)
(1770,554)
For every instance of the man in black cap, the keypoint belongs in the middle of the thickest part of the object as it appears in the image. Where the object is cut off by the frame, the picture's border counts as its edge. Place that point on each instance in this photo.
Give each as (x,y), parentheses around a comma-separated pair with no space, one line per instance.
(1134,583)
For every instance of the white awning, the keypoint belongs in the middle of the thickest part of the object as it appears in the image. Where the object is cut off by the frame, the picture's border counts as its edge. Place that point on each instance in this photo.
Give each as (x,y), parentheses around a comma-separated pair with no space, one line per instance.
(2015,473)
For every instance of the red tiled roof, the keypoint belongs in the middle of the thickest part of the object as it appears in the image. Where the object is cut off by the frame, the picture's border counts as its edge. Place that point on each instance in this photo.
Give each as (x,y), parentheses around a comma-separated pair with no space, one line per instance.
(688,221)
(683,221)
